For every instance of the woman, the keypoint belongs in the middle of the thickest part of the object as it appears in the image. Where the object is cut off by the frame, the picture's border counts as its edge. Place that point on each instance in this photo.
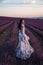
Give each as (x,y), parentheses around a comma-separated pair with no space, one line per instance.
(24,49)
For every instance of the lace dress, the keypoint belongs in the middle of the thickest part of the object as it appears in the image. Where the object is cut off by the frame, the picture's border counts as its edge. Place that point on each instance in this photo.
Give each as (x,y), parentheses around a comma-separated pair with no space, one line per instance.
(24,49)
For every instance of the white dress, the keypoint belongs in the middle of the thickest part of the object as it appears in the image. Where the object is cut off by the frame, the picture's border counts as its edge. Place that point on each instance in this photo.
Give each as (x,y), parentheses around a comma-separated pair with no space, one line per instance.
(24,49)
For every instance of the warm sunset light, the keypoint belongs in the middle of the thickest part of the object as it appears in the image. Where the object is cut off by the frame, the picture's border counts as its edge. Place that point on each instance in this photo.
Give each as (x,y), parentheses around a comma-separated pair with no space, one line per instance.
(22,11)
(21,8)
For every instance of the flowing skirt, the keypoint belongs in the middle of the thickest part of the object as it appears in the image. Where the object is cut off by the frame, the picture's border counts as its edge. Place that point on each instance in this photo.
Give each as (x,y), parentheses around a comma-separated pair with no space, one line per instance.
(24,50)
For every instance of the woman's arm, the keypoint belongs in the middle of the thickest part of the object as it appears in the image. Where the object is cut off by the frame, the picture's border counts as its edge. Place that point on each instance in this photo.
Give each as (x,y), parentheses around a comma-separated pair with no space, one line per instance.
(28,38)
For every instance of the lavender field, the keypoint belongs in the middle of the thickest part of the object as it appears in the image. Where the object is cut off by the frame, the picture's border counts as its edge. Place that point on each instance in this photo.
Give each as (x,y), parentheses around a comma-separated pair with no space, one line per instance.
(9,41)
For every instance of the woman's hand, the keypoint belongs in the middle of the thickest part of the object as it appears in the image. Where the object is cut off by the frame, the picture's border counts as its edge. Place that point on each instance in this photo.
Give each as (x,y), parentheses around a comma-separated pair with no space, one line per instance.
(27,37)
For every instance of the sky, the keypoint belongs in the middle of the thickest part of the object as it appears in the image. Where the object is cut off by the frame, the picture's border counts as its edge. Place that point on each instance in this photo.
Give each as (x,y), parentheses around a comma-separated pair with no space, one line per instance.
(8,8)
(21,1)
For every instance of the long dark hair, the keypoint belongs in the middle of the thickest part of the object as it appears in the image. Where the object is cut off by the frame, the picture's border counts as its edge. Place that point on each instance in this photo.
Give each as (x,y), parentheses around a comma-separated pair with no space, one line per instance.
(19,24)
